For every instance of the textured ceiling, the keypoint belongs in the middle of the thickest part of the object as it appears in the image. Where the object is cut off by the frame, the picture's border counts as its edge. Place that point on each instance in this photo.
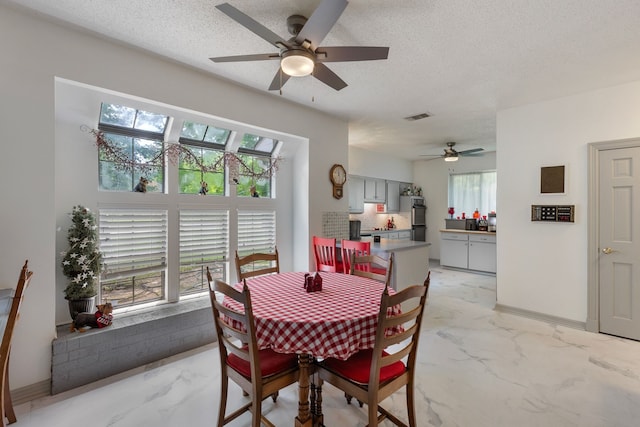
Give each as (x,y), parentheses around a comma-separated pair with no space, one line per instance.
(457,60)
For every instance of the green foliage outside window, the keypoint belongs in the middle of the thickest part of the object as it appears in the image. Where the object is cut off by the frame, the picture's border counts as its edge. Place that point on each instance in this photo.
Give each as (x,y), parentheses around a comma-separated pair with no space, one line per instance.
(258,164)
(191,176)
(113,178)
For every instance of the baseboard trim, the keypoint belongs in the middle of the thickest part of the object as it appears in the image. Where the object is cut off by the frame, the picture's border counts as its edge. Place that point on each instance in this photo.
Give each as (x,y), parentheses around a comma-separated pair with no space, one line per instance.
(554,320)
(31,392)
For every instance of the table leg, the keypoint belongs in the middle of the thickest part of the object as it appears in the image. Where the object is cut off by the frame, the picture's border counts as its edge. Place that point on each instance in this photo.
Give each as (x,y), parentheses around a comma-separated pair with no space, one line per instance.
(304,418)
(318,418)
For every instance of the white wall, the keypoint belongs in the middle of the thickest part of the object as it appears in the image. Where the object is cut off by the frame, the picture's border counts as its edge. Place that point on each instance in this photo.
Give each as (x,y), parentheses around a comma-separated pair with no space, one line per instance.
(542,267)
(377,165)
(34,53)
(433,177)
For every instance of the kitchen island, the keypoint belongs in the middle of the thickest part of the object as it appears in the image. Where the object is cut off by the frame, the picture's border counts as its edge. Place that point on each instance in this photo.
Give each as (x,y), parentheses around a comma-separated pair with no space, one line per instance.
(411,260)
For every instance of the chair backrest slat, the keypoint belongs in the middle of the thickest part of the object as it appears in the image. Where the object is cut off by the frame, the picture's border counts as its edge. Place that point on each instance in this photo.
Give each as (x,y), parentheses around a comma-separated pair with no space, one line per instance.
(373,267)
(351,248)
(324,250)
(267,263)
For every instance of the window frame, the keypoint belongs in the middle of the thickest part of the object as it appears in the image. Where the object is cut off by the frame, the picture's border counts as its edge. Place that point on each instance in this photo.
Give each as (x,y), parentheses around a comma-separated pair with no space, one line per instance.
(174,202)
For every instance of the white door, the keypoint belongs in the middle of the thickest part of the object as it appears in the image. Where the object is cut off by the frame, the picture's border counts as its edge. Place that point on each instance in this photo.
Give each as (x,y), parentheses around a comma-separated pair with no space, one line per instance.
(619,242)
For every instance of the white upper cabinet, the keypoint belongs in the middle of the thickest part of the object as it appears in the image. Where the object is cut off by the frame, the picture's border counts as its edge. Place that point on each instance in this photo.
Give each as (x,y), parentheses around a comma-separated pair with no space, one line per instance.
(375,190)
(355,185)
(393,196)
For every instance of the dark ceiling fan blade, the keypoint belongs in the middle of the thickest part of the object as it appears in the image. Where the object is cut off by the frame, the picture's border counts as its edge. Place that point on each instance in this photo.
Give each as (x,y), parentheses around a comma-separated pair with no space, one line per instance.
(252,25)
(473,150)
(351,53)
(278,80)
(238,58)
(321,21)
(328,77)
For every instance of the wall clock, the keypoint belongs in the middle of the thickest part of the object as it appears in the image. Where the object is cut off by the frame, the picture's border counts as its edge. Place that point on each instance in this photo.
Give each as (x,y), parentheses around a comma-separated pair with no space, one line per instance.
(338,177)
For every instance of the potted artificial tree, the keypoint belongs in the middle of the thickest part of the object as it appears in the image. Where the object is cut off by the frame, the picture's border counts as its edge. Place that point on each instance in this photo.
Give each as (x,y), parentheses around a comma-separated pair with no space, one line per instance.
(82,262)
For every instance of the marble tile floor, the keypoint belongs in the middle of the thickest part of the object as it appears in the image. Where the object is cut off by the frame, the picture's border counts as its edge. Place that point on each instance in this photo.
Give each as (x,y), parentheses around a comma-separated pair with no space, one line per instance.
(477,367)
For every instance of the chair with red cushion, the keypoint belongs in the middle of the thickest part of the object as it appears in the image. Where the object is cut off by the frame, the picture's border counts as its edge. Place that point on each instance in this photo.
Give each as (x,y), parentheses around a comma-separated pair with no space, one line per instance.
(324,250)
(373,375)
(260,373)
(373,267)
(350,248)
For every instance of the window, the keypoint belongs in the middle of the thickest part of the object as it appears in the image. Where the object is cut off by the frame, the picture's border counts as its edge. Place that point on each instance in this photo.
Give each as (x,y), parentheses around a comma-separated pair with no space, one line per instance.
(139,233)
(204,242)
(206,145)
(471,191)
(134,247)
(137,138)
(255,155)
(256,233)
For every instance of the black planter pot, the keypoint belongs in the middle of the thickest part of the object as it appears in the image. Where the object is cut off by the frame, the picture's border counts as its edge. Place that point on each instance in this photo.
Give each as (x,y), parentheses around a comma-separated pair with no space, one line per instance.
(83,305)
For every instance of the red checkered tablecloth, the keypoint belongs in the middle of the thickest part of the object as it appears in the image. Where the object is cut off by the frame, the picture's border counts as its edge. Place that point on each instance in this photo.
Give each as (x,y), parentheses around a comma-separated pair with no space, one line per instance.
(335,322)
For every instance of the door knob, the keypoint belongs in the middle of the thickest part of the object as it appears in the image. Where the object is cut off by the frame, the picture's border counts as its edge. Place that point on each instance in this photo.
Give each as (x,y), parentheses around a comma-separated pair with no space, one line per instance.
(607,251)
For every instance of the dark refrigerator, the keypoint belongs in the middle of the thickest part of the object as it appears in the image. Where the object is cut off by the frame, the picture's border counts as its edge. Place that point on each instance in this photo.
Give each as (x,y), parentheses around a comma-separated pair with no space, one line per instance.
(418,219)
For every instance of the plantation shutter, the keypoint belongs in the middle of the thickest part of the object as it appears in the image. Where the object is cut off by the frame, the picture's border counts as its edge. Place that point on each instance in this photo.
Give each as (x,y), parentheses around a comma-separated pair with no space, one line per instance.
(133,241)
(204,236)
(256,232)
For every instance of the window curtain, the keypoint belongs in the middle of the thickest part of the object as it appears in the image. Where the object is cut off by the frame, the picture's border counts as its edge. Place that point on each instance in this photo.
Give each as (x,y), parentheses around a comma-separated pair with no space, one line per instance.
(471,191)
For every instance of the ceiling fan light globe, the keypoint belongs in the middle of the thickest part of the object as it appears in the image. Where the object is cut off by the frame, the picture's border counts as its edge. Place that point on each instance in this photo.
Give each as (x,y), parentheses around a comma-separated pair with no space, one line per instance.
(297,63)
(450,158)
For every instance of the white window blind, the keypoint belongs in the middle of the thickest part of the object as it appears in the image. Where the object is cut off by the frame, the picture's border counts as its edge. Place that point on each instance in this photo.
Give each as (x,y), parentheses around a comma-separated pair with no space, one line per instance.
(133,241)
(256,232)
(204,236)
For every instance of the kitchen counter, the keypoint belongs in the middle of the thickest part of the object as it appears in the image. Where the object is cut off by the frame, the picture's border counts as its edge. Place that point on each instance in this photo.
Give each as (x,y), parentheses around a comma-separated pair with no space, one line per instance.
(411,259)
(454,230)
(393,245)
(371,232)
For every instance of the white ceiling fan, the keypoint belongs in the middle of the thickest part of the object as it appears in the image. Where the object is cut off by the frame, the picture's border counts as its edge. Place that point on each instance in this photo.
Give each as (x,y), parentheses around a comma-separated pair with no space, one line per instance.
(452,155)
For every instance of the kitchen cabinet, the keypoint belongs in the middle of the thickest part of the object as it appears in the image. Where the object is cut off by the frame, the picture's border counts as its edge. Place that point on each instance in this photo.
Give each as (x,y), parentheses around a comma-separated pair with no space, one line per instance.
(454,250)
(473,251)
(355,185)
(375,190)
(393,197)
(482,252)
(404,234)
(392,234)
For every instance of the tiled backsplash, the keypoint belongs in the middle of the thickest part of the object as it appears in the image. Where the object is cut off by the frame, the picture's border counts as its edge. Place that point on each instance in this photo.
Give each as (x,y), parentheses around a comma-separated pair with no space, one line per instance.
(335,224)
(370,219)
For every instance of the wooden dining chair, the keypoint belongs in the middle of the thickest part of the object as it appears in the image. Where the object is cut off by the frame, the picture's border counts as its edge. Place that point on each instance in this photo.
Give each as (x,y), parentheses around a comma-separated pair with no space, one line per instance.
(260,373)
(259,263)
(373,267)
(10,303)
(373,375)
(324,250)
(351,248)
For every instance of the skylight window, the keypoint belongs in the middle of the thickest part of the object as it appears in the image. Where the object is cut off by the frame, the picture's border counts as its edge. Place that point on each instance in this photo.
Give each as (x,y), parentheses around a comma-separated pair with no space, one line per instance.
(127,117)
(204,133)
(257,144)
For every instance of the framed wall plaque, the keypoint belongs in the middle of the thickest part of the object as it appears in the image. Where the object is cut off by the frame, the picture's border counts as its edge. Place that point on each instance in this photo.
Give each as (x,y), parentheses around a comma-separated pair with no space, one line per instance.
(552,180)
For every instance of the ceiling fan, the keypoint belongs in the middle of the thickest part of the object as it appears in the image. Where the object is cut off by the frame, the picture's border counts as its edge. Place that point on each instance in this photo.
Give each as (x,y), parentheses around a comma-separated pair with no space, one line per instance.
(452,155)
(302,55)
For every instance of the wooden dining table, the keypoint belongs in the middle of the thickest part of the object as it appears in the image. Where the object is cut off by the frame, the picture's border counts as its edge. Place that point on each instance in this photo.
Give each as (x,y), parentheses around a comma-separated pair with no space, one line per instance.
(337,321)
